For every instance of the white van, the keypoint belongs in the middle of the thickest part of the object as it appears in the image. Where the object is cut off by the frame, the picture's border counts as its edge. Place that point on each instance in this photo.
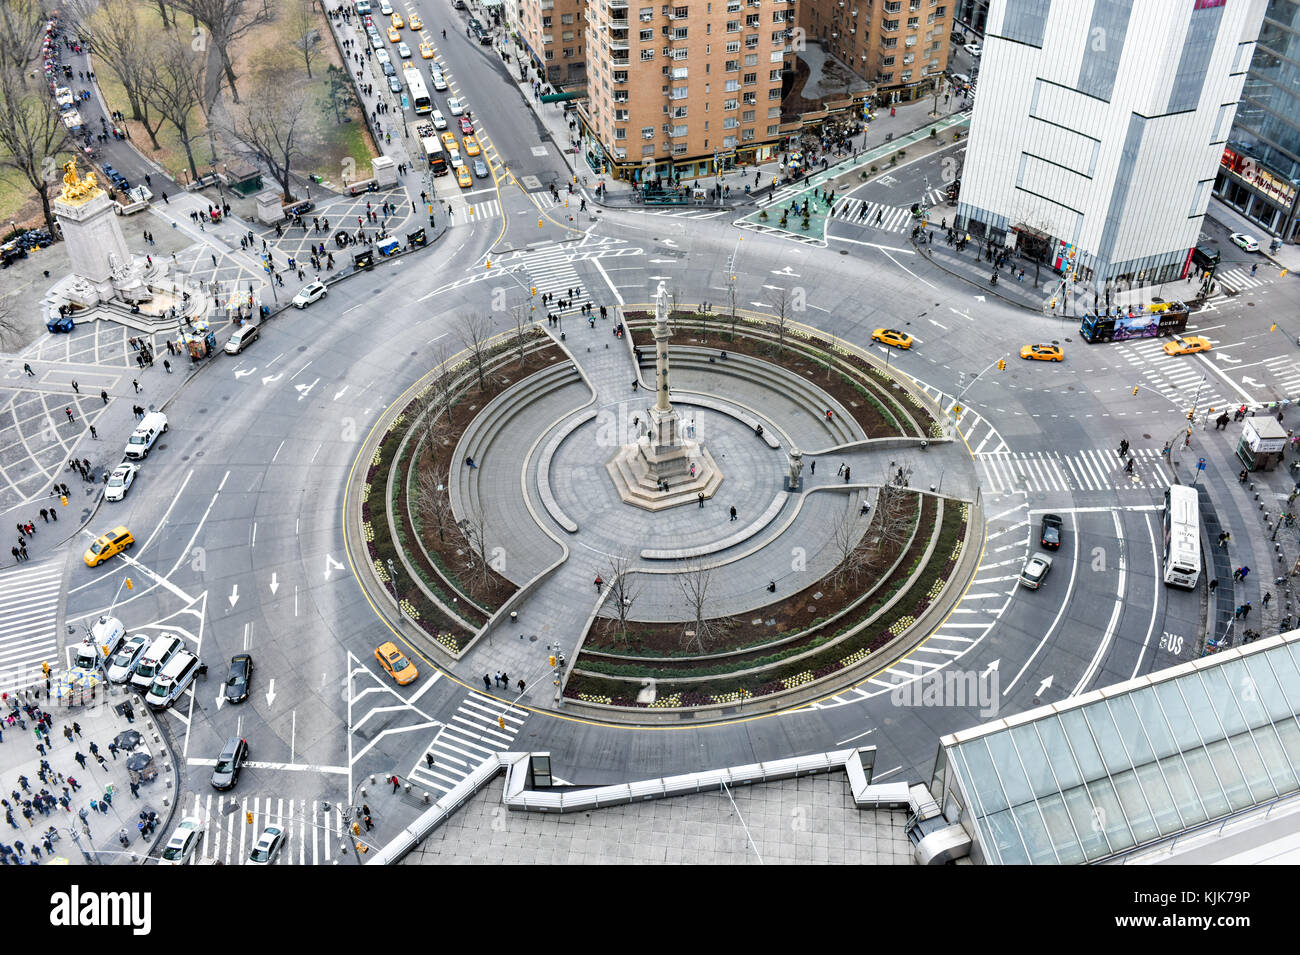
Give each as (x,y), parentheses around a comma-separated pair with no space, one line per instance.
(146,435)
(244,336)
(172,681)
(106,638)
(156,658)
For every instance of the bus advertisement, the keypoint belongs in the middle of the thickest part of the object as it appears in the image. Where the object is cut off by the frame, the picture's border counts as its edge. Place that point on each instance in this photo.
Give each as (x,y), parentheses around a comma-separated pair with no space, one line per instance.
(1161,318)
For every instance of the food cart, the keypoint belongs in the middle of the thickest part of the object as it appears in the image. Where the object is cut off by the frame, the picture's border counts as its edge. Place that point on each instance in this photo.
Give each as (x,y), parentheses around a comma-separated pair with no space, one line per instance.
(1263,439)
(200,340)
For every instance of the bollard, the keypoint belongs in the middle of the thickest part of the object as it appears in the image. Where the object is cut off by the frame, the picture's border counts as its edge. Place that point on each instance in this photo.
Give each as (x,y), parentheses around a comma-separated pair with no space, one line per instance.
(514,617)
(426,797)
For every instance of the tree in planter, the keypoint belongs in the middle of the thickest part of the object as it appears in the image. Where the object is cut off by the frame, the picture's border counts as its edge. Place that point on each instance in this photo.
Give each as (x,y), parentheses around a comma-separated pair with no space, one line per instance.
(519,316)
(891,527)
(694,584)
(440,383)
(432,504)
(623,590)
(779,301)
(853,549)
(474,531)
(473,332)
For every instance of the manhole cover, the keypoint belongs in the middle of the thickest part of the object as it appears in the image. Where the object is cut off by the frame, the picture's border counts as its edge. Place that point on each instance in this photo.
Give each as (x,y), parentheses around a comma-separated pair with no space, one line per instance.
(531,182)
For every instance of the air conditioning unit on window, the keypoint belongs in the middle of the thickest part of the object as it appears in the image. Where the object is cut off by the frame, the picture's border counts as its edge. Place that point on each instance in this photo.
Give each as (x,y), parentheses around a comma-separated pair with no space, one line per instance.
(647,17)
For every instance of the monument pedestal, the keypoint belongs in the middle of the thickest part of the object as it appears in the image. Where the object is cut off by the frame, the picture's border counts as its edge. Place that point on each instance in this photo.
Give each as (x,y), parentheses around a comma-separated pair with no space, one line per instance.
(639,470)
(96,247)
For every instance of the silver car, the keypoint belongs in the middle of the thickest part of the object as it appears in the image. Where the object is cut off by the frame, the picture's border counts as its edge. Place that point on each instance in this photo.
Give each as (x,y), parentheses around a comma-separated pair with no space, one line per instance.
(123,663)
(120,481)
(1036,569)
(268,846)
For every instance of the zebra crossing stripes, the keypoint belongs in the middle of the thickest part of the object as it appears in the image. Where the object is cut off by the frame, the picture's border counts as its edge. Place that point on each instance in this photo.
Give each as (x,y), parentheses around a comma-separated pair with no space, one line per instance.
(1174,376)
(878,215)
(1238,280)
(979,432)
(550,269)
(312,832)
(1089,470)
(29,607)
(473,734)
(1286,372)
(467,210)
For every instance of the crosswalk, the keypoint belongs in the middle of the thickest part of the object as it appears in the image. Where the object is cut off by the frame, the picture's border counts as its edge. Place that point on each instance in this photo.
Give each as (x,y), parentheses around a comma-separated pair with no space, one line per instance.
(980,434)
(1238,280)
(29,607)
(550,269)
(469,210)
(1285,371)
(313,832)
(878,215)
(1178,377)
(472,735)
(1099,469)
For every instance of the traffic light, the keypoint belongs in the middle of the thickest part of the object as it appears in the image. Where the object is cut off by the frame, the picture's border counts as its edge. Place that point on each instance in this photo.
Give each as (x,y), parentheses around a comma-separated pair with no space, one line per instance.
(356,829)
(63,499)
(501,722)
(130,584)
(1273,327)
(45,668)
(248,818)
(1135,390)
(551,660)
(1002,364)
(1190,414)
(539,222)
(532,290)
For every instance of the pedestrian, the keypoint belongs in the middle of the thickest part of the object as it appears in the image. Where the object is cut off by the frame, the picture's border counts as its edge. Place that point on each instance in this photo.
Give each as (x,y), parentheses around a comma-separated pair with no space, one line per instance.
(76,786)
(76,387)
(76,728)
(396,783)
(1267,597)
(93,433)
(847,471)
(1225,539)
(1214,585)
(370,825)
(1244,572)
(135,383)
(1236,574)
(840,471)
(487,682)
(68,412)
(428,760)
(104,395)
(701,497)
(135,789)
(496,678)
(112,748)
(45,515)
(80,757)
(733,513)
(812,467)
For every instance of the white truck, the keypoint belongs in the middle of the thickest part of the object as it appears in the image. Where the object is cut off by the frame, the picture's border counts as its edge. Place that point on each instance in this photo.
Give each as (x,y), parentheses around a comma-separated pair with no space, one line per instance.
(106,637)
(137,198)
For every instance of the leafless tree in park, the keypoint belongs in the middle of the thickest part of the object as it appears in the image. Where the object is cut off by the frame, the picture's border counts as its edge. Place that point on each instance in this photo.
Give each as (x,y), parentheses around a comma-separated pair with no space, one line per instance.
(475,531)
(226,21)
(473,332)
(891,525)
(303,27)
(624,589)
(32,136)
(120,41)
(175,88)
(432,503)
(694,582)
(272,122)
(8,313)
(21,23)
(854,549)
(519,315)
(441,380)
(779,302)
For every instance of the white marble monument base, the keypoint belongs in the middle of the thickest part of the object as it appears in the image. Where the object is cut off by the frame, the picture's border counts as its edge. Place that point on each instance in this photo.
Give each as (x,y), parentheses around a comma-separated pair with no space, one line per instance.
(637,469)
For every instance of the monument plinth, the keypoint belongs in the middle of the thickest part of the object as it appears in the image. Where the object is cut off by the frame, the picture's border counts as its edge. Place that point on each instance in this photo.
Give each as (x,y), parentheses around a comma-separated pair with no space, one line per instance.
(96,247)
(662,468)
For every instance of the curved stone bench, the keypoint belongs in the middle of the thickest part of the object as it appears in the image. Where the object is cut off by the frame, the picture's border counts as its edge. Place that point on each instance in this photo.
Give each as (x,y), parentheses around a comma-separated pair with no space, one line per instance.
(805,395)
(731,540)
(492,417)
(544,469)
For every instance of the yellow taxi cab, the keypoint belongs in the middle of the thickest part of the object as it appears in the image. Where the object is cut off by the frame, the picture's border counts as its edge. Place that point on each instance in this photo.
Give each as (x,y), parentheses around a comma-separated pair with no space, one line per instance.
(892,336)
(449,140)
(1042,353)
(463,178)
(471,146)
(394,661)
(415,23)
(426,50)
(108,545)
(397,21)
(1187,345)
(393,34)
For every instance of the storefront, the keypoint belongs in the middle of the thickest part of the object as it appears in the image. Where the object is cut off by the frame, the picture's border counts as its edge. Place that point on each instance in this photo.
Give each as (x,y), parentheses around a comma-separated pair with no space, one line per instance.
(1259,194)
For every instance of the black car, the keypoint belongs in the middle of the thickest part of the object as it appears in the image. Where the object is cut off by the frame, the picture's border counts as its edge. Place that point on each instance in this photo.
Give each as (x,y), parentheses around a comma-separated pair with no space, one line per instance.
(300,208)
(240,678)
(226,773)
(1051,531)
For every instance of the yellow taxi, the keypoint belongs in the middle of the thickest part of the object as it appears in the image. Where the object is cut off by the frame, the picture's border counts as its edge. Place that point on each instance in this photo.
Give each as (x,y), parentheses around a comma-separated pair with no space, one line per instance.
(449,140)
(463,178)
(108,545)
(1042,353)
(415,23)
(426,50)
(892,336)
(394,661)
(393,34)
(397,21)
(1187,345)
(471,146)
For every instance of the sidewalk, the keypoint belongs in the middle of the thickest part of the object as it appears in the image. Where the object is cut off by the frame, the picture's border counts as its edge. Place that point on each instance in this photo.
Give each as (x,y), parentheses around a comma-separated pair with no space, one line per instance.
(973,266)
(96,840)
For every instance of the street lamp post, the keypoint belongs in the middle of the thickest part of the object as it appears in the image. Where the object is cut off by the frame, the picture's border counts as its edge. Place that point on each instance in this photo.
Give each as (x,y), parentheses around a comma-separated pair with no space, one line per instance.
(392,575)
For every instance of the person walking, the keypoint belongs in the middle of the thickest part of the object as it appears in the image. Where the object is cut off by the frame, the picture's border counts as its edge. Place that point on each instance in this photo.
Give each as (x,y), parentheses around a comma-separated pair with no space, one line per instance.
(701,497)
(103,395)
(599,582)
(487,682)
(1268,595)
(28,369)
(76,728)
(1214,585)
(397,783)
(167,365)
(135,383)
(80,757)
(428,760)
(71,419)
(848,471)
(733,513)
(812,467)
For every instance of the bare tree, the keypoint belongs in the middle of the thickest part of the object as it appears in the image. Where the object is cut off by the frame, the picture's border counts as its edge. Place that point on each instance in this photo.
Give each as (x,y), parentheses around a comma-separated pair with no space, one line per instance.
(440,385)
(31,137)
(779,301)
(694,582)
(120,40)
(20,32)
(624,589)
(853,549)
(302,24)
(432,503)
(226,21)
(472,330)
(891,525)
(175,88)
(519,313)
(474,531)
(830,354)
(269,123)
(8,311)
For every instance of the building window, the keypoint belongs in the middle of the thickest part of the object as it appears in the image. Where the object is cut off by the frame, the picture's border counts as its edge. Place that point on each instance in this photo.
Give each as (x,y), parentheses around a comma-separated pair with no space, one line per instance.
(747,135)
(888,42)
(907,58)
(894,6)
(568,52)
(550,54)
(679,149)
(680,33)
(751,59)
(566,18)
(731,122)
(647,35)
(751,21)
(679,130)
(906,76)
(681,13)
(680,54)
(750,79)
(620,115)
(751,42)
(647,14)
(733,66)
(679,92)
(733,46)
(732,86)
(730,104)
(889,24)
(747,116)
(647,150)
(681,72)
(774,76)
(774,129)
(679,112)
(733,26)
(647,132)
(620,76)
(620,133)
(774,93)
(566,35)
(546,21)
(728,142)
(750,99)
(913,22)
(620,96)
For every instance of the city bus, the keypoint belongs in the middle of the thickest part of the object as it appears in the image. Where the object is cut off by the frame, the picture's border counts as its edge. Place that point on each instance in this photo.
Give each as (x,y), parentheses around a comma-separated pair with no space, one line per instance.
(431,146)
(1182,537)
(1116,325)
(418,92)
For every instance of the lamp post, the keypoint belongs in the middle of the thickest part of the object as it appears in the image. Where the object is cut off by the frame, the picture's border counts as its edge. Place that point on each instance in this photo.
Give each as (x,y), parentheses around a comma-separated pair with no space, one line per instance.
(392,575)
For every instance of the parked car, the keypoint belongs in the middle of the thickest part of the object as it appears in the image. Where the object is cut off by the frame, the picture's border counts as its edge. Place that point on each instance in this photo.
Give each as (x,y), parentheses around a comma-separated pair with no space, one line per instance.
(120,481)
(974,49)
(123,663)
(394,84)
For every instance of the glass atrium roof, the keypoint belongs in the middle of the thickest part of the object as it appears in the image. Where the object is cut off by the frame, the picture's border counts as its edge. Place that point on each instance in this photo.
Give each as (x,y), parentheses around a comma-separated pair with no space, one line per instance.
(1096,775)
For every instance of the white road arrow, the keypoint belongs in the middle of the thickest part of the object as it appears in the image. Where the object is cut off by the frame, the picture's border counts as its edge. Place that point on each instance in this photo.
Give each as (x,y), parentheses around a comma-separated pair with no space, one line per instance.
(267,379)
(221,700)
(270,692)
(670,243)
(1251,382)
(1043,686)
(979,298)
(786,271)
(305,390)
(244,374)
(275,585)
(339,394)
(661,261)
(1228,358)
(234,595)
(991,668)
(331,564)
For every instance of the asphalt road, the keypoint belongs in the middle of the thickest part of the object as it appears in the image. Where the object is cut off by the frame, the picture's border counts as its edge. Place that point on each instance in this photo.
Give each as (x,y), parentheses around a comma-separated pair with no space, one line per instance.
(243,550)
